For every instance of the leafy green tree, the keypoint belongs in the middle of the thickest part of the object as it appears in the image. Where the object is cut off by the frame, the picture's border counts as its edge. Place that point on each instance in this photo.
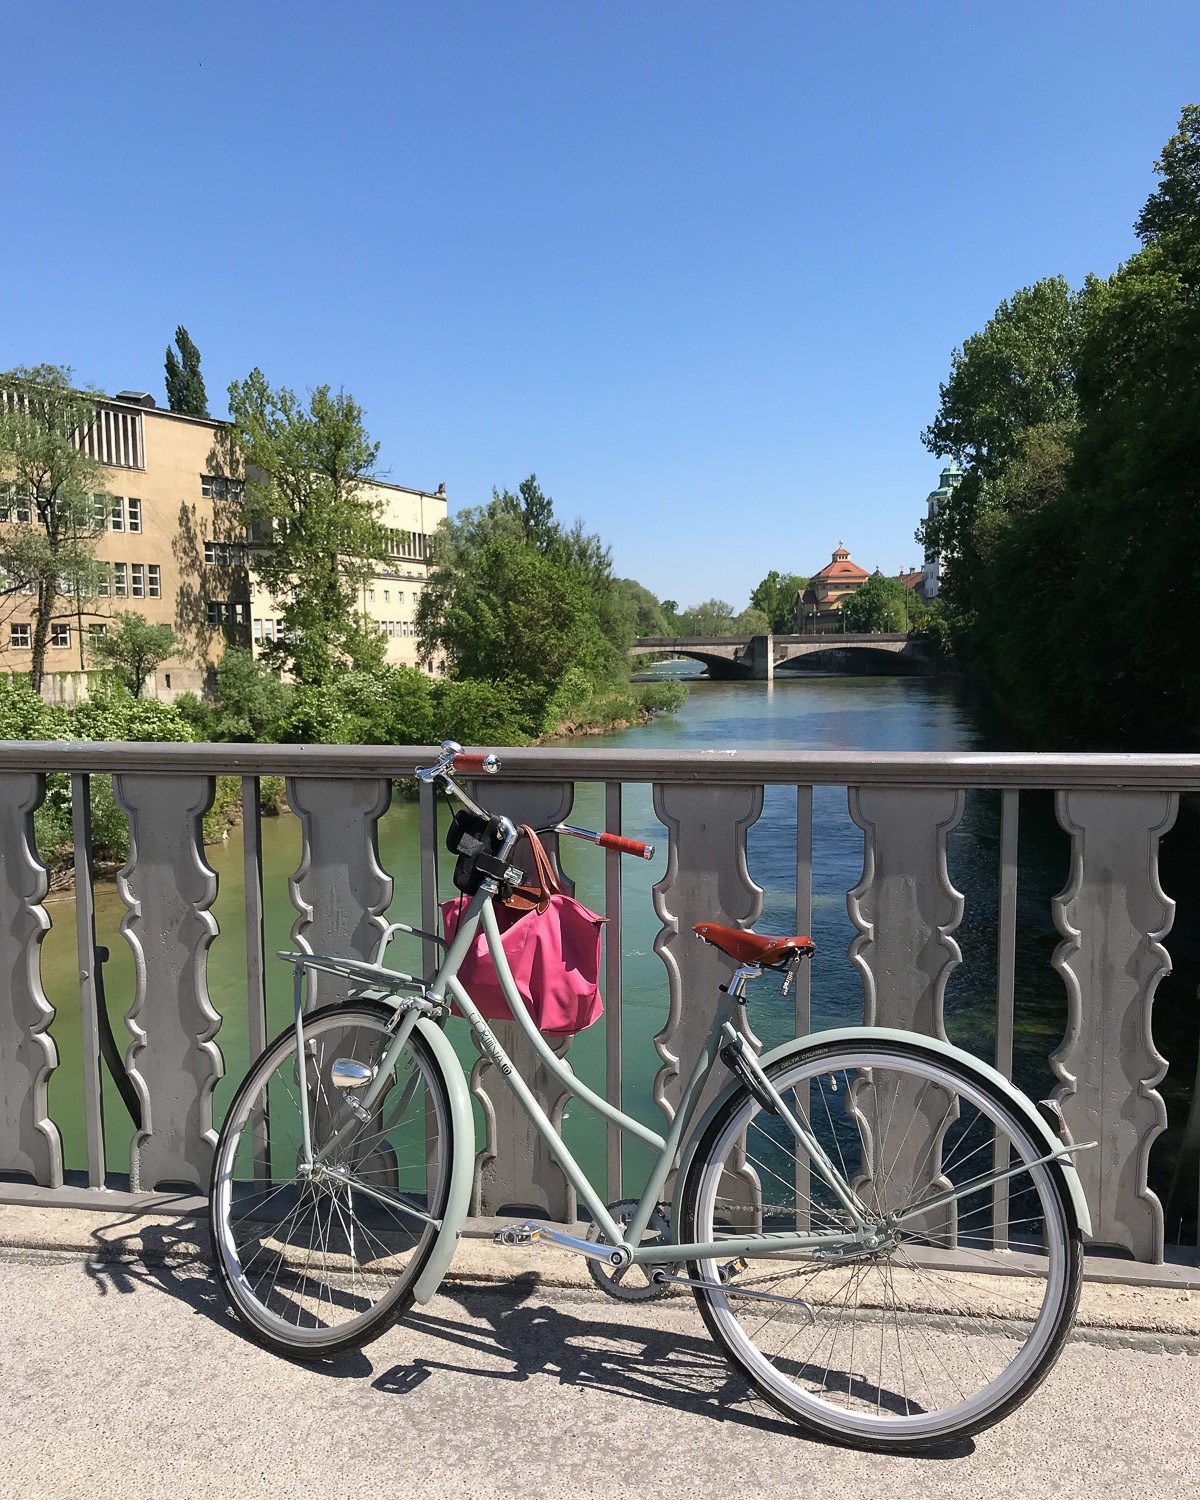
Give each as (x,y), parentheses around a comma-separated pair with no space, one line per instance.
(752,622)
(185,384)
(306,466)
(516,599)
(648,615)
(1081,488)
(132,648)
(713,617)
(249,698)
(52,500)
(776,597)
(1175,203)
(880,604)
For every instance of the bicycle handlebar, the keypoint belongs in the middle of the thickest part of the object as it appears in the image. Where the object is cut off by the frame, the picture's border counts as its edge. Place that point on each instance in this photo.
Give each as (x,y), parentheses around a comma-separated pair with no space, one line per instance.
(476,763)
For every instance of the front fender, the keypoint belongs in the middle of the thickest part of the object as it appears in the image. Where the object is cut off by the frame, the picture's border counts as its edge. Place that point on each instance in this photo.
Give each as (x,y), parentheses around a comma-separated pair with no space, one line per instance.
(871,1034)
(462,1130)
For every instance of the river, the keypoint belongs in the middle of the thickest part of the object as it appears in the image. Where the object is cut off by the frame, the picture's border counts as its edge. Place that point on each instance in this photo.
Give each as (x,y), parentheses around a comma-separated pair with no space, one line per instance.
(800,712)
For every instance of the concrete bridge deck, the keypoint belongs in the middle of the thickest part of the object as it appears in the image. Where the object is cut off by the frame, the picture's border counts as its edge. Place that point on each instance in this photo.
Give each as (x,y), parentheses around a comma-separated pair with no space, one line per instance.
(124,1376)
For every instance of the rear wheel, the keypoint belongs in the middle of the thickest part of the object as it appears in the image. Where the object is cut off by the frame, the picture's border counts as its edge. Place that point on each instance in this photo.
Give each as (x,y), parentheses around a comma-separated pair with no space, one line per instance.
(316,1260)
(958,1313)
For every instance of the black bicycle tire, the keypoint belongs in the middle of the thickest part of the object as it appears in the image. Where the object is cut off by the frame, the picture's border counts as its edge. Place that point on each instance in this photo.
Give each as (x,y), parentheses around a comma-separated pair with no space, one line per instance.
(689,1231)
(389,1312)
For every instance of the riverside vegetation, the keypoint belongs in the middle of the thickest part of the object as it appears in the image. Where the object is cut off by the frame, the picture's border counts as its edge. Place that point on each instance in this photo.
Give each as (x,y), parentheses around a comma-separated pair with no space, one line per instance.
(1071,547)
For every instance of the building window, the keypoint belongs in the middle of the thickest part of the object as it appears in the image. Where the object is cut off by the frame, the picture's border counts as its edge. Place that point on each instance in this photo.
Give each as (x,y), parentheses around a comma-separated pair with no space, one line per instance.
(120,580)
(116,514)
(153,581)
(226,612)
(100,512)
(60,635)
(224,555)
(280,631)
(14,508)
(370,596)
(138,571)
(217,487)
(387,596)
(268,630)
(96,631)
(18,635)
(135,514)
(407,544)
(258,635)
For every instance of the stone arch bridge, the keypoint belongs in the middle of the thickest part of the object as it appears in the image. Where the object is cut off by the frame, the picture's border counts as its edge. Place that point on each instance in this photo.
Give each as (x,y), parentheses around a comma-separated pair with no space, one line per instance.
(759,657)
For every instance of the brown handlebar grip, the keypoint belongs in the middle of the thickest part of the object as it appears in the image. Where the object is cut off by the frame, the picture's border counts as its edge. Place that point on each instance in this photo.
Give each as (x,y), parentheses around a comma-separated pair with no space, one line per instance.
(625,846)
(472,764)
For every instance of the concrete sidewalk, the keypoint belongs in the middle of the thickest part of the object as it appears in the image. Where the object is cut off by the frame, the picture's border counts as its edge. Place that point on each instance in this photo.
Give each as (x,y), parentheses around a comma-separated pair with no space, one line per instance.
(123,1375)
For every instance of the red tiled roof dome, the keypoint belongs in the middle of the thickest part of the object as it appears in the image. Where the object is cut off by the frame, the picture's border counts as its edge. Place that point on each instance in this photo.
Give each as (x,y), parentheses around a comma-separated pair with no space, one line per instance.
(841,567)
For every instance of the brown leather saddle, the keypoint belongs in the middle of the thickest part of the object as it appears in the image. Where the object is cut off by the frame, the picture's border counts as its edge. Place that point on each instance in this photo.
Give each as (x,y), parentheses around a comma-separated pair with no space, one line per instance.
(753,948)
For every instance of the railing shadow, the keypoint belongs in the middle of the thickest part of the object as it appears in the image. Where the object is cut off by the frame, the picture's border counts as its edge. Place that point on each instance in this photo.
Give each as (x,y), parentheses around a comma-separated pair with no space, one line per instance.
(168,1258)
(664,1368)
(511,1321)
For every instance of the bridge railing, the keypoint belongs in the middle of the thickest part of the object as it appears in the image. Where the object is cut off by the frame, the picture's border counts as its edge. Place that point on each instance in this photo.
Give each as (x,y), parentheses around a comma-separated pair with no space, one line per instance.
(1113,917)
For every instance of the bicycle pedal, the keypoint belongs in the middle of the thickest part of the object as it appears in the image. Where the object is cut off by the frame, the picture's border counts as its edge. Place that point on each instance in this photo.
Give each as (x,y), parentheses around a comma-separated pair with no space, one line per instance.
(518,1234)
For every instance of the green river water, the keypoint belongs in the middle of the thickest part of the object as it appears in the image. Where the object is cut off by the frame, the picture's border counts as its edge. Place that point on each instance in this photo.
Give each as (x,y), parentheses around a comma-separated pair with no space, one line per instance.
(801,712)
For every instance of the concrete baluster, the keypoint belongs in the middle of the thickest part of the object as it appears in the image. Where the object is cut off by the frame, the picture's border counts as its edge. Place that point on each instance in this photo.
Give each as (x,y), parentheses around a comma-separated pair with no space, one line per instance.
(706,879)
(905,909)
(340,889)
(29,1140)
(173,1060)
(513,1166)
(1113,916)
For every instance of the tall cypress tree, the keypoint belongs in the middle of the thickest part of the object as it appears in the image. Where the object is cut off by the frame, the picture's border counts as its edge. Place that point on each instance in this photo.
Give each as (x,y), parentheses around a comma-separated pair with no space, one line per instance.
(185,384)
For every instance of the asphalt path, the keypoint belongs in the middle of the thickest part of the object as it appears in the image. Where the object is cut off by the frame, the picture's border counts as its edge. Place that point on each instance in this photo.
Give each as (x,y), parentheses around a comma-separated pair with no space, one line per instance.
(121,1378)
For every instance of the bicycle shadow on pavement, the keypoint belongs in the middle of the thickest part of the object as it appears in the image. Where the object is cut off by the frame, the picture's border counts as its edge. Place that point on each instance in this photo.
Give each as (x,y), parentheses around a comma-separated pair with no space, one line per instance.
(663,1367)
(165,1258)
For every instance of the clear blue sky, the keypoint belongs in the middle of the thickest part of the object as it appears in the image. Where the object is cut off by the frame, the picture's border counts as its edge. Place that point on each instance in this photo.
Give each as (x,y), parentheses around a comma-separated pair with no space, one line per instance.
(699,265)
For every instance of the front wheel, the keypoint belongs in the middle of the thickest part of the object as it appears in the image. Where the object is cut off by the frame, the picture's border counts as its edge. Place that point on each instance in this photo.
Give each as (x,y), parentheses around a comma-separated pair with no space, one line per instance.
(958,1313)
(317,1258)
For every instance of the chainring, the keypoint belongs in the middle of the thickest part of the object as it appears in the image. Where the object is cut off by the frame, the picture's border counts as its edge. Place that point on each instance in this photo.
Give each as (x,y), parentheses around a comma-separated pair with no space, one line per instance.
(633,1283)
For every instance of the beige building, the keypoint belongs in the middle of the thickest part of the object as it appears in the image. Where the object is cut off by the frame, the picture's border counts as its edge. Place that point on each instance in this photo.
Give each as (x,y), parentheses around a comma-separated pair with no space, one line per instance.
(390,597)
(174,543)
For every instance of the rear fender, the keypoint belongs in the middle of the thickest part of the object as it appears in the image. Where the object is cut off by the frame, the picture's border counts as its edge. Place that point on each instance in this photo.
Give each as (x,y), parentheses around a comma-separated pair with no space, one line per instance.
(867,1035)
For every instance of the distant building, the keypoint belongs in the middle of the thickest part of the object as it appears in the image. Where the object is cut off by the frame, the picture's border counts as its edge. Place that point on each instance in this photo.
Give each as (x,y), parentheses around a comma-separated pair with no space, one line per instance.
(951,478)
(914,579)
(175,549)
(820,604)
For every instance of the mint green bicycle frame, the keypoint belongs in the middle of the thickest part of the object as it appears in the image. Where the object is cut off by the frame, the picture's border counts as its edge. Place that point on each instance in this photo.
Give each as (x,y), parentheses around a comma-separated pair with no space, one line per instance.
(417,1004)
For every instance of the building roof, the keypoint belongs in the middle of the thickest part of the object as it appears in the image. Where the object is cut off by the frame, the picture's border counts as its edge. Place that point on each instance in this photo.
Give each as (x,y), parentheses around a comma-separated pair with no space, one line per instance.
(841,568)
(913,580)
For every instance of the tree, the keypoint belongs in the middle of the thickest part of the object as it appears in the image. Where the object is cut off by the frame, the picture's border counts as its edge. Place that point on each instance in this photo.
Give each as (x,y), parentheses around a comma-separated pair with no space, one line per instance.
(776,597)
(880,604)
(515,598)
(306,465)
(132,648)
(185,384)
(752,622)
(648,615)
(1175,203)
(52,500)
(713,617)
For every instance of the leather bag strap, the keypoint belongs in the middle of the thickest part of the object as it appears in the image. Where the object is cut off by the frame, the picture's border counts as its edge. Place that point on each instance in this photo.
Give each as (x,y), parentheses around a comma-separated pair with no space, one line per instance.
(535,896)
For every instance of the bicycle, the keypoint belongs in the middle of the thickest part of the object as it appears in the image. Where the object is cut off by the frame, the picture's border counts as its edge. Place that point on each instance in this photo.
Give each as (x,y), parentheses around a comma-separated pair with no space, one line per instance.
(882,1234)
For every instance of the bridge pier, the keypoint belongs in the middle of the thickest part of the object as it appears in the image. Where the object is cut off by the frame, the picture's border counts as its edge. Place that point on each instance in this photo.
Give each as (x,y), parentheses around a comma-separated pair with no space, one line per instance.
(760,657)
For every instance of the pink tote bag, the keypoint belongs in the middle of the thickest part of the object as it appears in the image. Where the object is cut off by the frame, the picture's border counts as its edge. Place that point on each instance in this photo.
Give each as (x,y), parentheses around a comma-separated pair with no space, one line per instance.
(552,944)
